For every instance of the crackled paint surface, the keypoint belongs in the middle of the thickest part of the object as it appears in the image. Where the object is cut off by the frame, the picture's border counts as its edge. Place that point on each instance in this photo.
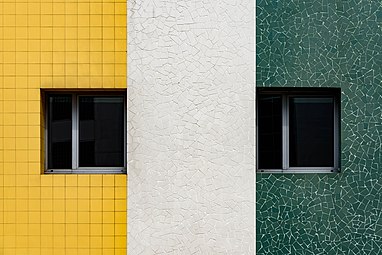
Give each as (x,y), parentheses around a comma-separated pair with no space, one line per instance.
(325,44)
(191,188)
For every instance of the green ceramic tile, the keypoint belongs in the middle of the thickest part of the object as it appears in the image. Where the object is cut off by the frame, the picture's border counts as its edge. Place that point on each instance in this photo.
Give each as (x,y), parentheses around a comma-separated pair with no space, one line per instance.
(315,43)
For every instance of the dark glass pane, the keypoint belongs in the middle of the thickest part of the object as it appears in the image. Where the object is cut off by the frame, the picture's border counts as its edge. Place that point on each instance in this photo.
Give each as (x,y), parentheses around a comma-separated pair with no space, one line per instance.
(60,132)
(269,132)
(101,131)
(311,132)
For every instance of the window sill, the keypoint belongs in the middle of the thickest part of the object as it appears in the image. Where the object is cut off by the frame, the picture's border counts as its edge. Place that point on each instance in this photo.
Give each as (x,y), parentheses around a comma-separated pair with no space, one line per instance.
(300,171)
(87,171)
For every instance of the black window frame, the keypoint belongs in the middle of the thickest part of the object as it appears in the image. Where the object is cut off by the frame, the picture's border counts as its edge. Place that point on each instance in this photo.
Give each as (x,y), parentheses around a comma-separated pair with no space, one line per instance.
(286,94)
(75,133)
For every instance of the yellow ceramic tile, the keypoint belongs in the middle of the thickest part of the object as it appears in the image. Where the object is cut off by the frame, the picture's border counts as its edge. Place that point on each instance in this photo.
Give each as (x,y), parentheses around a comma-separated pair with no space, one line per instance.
(96,217)
(83,205)
(9,69)
(120,242)
(22,198)
(120,81)
(59,81)
(83,180)
(34,193)
(21,119)
(71,229)
(59,229)
(84,81)
(120,251)
(83,33)
(120,192)
(9,143)
(9,119)
(108,241)
(71,204)
(34,217)
(21,106)
(83,217)
(21,240)
(108,192)
(53,46)
(83,20)
(9,156)
(83,241)
(46,20)
(58,241)
(87,252)
(46,70)
(96,180)
(59,180)
(9,8)
(108,205)
(34,69)
(96,205)
(34,8)
(46,217)
(120,205)
(120,45)
(108,32)
(96,21)
(58,192)
(21,8)
(108,8)
(34,143)
(108,217)
(34,58)
(71,217)
(46,251)
(95,229)
(34,229)
(120,229)
(120,8)
(46,7)
(96,193)
(22,180)
(59,8)
(108,21)
(71,8)
(108,230)
(84,230)
(120,217)
(34,205)
(47,180)
(71,81)
(83,8)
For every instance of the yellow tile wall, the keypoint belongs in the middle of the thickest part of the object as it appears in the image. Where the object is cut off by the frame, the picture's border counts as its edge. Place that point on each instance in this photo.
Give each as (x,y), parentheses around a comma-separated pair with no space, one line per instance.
(50,44)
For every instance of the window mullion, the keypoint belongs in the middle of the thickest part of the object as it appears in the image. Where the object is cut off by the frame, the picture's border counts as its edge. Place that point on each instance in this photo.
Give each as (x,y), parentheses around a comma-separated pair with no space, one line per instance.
(74,132)
(285,131)
(336,133)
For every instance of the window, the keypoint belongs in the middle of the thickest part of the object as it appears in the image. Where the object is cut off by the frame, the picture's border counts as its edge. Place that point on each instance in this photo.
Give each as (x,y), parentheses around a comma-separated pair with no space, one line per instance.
(298,130)
(85,133)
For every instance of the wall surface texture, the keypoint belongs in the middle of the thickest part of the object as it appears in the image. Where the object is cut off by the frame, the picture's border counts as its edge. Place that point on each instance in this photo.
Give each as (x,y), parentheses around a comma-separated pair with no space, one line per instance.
(191,176)
(56,45)
(325,44)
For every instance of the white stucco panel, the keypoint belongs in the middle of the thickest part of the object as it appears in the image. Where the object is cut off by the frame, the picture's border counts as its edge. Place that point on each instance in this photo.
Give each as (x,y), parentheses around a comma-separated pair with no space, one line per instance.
(191,88)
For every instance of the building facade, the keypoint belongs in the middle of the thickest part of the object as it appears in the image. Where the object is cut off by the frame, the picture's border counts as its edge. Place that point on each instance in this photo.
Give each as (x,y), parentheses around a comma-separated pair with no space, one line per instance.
(130,127)
(57,46)
(190,84)
(326,44)
(189,109)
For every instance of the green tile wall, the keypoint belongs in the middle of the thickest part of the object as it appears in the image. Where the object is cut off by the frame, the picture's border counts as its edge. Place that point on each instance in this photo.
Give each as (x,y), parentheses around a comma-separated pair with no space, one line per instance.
(325,43)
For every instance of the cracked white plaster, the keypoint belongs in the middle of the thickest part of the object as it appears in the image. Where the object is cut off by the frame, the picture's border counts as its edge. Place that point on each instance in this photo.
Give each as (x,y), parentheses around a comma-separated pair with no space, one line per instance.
(191,92)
